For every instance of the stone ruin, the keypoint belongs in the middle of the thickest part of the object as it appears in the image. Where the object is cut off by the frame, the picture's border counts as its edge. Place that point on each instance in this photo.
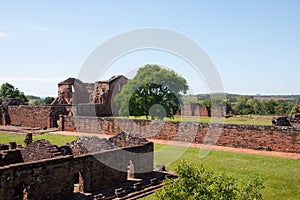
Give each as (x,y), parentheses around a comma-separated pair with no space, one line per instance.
(295,118)
(127,138)
(194,109)
(85,145)
(40,170)
(4,114)
(32,151)
(99,95)
(281,121)
(74,98)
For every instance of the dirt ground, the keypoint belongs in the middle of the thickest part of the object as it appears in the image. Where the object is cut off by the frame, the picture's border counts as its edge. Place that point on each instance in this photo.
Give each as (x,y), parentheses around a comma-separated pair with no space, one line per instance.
(232,149)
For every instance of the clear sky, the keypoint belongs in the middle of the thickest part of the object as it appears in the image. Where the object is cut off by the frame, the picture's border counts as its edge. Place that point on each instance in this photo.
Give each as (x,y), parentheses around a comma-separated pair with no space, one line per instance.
(255,44)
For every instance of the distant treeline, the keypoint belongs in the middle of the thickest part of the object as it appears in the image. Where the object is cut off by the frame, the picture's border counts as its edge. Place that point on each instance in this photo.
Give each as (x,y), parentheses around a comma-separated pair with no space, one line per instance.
(245,104)
(35,100)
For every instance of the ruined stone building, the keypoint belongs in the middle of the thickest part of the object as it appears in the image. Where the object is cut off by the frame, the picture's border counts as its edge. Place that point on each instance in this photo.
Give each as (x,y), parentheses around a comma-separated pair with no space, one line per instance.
(100,94)
(74,98)
(15,113)
(43,171)
(194,109)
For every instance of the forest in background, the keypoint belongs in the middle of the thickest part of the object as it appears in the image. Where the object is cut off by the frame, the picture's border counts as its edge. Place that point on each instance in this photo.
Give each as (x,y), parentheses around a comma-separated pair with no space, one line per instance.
(250,104)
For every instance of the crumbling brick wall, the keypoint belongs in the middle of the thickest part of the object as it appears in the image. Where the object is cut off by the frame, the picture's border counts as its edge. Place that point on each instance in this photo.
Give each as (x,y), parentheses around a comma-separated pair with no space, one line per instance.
(285,139)
(93,110)
(4,103)
(73,91)
(35,116)
(31,116)
(54,178)
(194,109)
(99,95)
(8,157)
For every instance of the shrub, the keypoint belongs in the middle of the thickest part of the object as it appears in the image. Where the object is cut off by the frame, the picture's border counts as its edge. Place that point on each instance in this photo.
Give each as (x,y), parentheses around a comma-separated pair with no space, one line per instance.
(199,183)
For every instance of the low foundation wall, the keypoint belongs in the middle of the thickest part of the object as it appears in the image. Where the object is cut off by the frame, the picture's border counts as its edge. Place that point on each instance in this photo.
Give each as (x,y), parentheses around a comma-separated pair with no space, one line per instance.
(54,178)
(35,116)
(284,139)
(38,116)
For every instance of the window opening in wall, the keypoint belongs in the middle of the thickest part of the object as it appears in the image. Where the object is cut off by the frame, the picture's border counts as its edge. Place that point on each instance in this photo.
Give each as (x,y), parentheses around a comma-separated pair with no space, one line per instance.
(20,192)
(76,182)
(130,171)
(73,88)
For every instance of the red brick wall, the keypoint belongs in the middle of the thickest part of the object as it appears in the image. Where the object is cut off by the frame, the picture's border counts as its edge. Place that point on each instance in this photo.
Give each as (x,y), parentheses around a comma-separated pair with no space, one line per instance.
(36,116)
(54,178)
(285,139)
(194,109)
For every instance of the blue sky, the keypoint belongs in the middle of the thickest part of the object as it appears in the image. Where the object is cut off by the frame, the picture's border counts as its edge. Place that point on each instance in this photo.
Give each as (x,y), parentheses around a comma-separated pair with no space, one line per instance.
(255,44)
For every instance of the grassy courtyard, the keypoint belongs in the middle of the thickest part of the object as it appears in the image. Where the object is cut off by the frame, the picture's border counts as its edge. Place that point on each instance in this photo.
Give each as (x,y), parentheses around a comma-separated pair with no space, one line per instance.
(58,140)
(281,176)
(238,119)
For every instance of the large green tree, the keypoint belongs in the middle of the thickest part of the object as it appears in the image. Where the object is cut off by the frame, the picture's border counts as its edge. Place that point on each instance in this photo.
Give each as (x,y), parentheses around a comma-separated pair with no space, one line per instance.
(7,90)
(154,91)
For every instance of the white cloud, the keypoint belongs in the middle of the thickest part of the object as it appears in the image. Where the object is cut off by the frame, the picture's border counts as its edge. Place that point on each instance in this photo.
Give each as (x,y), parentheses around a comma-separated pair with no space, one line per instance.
(40,28)
(2,34)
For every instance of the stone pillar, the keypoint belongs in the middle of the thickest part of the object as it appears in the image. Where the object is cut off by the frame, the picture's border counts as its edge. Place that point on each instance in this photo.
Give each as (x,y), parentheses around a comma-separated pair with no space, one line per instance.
(12,145)
(28,139)
(1,116)
(61,125)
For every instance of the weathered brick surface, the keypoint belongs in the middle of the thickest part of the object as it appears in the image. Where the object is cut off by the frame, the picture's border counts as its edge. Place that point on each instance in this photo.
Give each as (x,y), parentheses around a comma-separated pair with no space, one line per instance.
(4,103)
(54,178)
(30,115)
(35,116)
(96,99)
(194,109)
(84,145)
(127,138)
(8,157)
(40,149)
(285,139)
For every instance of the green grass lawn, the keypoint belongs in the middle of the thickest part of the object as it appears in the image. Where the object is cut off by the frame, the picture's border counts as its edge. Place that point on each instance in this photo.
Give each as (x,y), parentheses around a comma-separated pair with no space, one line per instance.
(240,119)
(281,176)
(58,140)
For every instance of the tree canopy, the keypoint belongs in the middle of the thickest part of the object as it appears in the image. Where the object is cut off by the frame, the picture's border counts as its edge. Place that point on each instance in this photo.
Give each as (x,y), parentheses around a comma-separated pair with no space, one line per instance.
(154,91)
(245,105)
(34,100)
(7,90)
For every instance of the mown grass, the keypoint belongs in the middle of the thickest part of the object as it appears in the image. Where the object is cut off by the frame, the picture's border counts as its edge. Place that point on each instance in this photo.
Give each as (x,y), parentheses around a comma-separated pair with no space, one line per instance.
(58,140)
(281,176)
(239,119)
